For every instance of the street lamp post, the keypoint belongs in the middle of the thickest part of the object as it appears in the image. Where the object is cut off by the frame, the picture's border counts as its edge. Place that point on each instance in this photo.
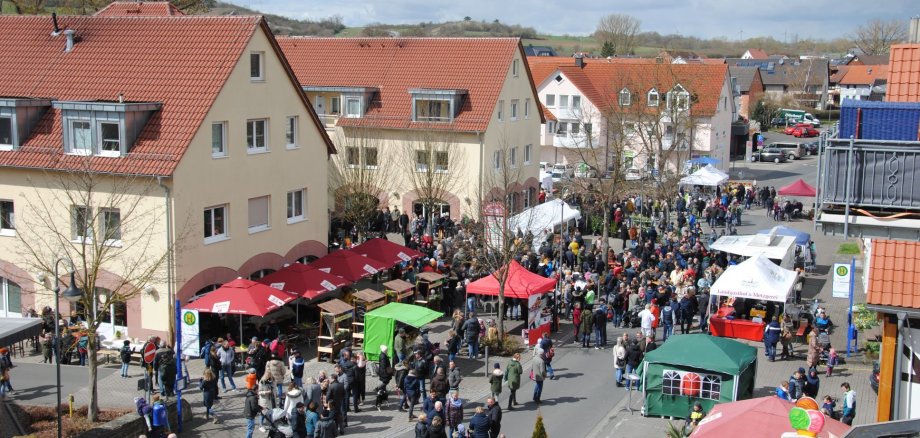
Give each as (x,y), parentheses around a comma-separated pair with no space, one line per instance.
(72,294)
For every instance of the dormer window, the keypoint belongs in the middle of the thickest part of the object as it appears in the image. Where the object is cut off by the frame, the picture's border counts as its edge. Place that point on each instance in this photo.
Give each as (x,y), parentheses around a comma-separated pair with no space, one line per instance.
(353,107)
(6,132)
(17,118)
(435,105)
(653,97)
(106,129)
(625,97)
(678,98)
(351,102)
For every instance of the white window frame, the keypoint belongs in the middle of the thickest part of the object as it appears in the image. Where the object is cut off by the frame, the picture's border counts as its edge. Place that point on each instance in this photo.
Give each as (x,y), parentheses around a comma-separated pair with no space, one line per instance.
(514,109)
(357,152)
(422,160)
(563,101)
(8,215)
(72,139)
(214,238)
(103,232)
(513,158)
(222,153)
(364,156)
(258,228)
(291,211)
(514,68)
(9,146)
(345,108)
(624,97)
(648,98)
(528,149)
(100,141)
(501,108)
(681,96)
(87,233)
(253,148)
(291,125)
(526,108)
(261,63)
(576,102)
(497,160)
(438,168)
(550,100)
(335,102)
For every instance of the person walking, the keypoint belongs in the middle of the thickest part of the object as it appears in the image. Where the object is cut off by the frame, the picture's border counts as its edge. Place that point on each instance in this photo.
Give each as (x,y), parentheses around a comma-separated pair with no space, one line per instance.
(576,321)
(411,391)
(471,330)
(454,412)
(538,368)
(669,312)
(495,417)
(226,357)
(208,387)
(276,371)
(849,404)
(587,326)
(125,354)
(292,398)
(814,350)
(513,373)
(812,383)
(296,364)
(619,361)
(633,359)
(266,400)
(495,380)
(771,335)
(251,408)
(400,345)
(453,376)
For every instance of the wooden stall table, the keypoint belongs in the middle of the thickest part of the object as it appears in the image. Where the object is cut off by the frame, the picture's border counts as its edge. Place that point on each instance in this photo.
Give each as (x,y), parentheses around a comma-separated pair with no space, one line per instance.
(428,289)
(332,313)
(398,290)
(363,301)
(720,325)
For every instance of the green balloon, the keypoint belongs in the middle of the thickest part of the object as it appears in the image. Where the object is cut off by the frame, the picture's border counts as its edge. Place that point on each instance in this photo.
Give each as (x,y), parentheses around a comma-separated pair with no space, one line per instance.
(799,419)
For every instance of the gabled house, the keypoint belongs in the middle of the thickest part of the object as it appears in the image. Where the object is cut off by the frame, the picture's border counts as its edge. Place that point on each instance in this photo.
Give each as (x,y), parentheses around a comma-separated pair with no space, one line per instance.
(532,50)
(659,114)
(804,80)
(859,81)
(747,89)
(465,107)
(755,54)
(198,138)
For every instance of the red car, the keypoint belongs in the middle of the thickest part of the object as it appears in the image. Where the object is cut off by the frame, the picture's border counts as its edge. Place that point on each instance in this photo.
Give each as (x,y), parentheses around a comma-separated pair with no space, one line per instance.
(805,131)
(791,128)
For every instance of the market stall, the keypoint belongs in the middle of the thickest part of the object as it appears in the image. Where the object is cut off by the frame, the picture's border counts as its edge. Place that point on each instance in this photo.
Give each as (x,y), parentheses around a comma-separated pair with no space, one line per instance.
(747,286)
(308,283)
(386,252)
(525,285)
(398,290)
(363,301)
(696,368)
(332,337)
(707,176)
(780,249)
(428,287)
(348,264)
(769,416)
(542,219)
(381,324)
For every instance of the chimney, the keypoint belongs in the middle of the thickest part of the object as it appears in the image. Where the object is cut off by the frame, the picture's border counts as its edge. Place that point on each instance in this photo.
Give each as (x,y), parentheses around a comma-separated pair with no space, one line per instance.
(580,60)
(69,34)
(57,30)
(913,37)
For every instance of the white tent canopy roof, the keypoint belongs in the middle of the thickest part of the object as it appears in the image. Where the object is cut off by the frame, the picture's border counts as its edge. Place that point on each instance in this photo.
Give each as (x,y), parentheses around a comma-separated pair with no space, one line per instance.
(705,176)
(771,245)
(541,219)
(755,278)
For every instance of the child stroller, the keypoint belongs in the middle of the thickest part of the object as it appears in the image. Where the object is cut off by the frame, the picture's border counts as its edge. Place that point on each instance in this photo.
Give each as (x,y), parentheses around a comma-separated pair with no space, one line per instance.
(632,316)
(277,424)
(824,343)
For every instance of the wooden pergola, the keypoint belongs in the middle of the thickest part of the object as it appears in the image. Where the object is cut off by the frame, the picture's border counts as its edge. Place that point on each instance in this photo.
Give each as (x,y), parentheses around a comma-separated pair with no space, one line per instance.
(428,288)
(331,315)
(398,290)
(363,301)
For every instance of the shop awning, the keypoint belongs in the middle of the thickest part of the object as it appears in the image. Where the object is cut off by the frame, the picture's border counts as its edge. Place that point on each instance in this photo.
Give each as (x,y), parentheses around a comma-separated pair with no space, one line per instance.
(13,330)
(386,252)
(705,176)
(242,297)
(520,283)
(408,314)
(755,278)
(348,264)
(305,281)
(801,237)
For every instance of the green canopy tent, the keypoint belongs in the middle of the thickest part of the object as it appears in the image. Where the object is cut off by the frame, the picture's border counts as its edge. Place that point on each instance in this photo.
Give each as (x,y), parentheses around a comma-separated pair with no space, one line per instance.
(696,368)
(380,325)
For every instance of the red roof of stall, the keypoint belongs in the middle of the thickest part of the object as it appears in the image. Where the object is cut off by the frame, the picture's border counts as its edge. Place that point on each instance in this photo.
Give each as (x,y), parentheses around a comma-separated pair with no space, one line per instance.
(242,297)
(387,252)
(303,280)
(348,264)
(521,283)
(798,188)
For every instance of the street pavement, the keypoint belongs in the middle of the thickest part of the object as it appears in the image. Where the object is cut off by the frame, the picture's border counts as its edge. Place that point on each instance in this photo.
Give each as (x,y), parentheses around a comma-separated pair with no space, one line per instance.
(582,402)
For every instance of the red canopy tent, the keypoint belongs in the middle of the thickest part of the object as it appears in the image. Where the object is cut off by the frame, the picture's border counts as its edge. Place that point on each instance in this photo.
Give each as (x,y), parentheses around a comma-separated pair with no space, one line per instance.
(767,415)
(348,264)
(520,283)
(798,188)
(242,297)
(387,252)
(305,281)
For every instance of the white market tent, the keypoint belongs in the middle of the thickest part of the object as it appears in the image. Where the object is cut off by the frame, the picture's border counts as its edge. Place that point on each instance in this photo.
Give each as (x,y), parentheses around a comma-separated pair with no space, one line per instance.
(705,176)
(546,181)
(540,220)
(756,278)
(773,246)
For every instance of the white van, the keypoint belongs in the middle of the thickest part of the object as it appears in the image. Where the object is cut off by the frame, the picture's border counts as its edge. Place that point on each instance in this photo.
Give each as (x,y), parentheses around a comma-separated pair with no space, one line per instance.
(793,151)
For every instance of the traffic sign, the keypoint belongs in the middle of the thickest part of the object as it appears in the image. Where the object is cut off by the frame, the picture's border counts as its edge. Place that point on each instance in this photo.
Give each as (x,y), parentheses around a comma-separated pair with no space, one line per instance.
(150,352)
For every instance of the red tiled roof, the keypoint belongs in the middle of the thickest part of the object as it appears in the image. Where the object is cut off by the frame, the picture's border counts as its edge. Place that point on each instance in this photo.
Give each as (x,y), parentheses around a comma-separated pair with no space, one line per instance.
(601,81)
(139,9)
(396,65)
(894,274)
(181,62)
(838,74)
(758,54)
(547,114)
(904,74)
(864,74)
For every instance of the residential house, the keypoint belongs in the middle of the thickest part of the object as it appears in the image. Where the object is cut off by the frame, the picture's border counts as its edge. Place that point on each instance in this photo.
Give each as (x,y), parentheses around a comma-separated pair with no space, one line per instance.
(838,71)
(383,97)
(747,86)
(532,50)
(805,81)
(139,9)
(755,54)
(680,56)
(863,82)
(598,102)
(893,290)
(193,127)
(863,59)
(904,73)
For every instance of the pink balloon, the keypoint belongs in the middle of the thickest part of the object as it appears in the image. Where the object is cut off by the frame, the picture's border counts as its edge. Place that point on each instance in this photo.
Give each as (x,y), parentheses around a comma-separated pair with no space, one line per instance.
(817,421)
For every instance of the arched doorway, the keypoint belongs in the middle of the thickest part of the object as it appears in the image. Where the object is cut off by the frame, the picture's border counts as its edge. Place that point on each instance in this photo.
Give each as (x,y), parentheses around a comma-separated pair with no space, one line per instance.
(10,299)
(437,208)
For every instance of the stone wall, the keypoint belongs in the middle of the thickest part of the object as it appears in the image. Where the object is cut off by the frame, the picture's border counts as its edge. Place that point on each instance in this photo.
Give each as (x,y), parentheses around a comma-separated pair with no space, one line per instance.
(132,425)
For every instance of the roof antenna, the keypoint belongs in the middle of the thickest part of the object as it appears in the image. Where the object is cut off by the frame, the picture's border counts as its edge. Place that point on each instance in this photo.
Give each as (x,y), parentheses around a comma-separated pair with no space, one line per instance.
(57,30)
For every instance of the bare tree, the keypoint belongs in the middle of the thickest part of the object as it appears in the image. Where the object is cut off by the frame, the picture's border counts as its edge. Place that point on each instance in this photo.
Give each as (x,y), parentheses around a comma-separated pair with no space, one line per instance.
(102,223)
(877,36)
(359,181)
(620,31)
(432,162)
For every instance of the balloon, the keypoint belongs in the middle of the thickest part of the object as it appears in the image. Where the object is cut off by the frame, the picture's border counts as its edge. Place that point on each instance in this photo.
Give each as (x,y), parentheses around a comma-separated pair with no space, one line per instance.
(807,403)
(690,385)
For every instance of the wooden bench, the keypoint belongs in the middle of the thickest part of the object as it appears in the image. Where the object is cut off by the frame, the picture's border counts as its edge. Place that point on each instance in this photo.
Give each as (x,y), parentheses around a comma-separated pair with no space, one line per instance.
(801,335)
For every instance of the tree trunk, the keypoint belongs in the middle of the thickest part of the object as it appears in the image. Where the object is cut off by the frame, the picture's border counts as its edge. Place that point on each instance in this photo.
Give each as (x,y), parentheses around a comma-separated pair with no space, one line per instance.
(93,411)
(501,310)
(605,235)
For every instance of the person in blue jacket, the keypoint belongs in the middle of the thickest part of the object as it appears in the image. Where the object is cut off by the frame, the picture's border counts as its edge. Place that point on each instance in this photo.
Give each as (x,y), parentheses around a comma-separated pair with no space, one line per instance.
(771,334)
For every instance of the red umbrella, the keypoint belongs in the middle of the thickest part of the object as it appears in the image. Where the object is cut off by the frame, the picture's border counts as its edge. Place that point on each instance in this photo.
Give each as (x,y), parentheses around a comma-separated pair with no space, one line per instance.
(305,281)
(798,188)
(242,297)
(387,252)
(348,265)
(769,416)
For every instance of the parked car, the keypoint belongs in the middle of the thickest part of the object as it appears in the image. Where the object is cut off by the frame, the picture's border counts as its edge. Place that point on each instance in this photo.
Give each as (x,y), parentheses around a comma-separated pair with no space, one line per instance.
(632,174)
(773,154)
(805,131)
(777,122)
(793,151)
(791,128)
(811,148)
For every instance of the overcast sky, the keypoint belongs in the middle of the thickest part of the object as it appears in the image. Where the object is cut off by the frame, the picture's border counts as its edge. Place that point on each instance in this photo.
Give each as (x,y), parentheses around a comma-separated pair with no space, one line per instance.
(820,19)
